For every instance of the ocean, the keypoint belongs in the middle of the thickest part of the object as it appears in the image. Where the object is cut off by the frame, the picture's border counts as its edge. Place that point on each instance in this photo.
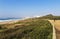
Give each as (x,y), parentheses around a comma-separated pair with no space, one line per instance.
(9,20)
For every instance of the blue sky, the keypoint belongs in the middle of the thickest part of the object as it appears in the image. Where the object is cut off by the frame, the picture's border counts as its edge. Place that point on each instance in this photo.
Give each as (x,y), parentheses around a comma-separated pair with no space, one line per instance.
(24,8)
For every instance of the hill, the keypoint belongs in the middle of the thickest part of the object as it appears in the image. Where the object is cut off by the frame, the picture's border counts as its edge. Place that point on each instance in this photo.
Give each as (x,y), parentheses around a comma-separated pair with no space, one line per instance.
(50,16)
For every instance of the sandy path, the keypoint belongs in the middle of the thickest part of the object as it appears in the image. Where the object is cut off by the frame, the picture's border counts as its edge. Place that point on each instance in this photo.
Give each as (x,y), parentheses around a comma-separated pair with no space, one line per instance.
(54,31)
(57,27)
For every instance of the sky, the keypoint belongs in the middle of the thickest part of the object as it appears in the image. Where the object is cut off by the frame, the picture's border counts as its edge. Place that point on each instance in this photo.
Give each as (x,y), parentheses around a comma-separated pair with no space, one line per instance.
(26,8)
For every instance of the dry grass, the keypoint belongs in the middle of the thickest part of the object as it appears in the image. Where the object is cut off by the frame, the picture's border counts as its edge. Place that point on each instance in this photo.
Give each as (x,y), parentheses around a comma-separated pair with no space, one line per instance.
(57,27)
(56,23)
(14,24)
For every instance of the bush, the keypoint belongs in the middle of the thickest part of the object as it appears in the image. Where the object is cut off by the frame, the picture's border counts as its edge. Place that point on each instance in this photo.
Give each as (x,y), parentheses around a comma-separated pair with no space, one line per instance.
(37,29)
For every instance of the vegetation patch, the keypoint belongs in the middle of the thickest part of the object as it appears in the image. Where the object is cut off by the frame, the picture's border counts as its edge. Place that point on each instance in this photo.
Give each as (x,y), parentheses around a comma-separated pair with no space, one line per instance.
(31,29)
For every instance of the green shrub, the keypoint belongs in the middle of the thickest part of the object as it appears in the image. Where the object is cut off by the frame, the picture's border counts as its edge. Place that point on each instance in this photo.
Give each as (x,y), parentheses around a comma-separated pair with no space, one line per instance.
(37,29)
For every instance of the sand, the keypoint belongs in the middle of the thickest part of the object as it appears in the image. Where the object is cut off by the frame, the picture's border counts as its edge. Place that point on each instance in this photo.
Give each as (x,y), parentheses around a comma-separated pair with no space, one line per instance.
(57,27)
(9,22)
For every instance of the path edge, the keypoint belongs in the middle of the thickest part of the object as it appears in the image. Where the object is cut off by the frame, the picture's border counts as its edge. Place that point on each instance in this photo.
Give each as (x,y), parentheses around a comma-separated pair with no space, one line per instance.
(54,31)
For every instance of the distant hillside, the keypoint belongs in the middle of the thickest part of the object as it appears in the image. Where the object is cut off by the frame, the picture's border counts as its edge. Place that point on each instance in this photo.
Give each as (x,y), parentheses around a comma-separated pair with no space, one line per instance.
(50,16)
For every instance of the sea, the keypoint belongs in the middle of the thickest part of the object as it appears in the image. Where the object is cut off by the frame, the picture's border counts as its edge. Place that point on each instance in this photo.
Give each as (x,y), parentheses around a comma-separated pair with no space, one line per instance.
(5,20)
(12,19)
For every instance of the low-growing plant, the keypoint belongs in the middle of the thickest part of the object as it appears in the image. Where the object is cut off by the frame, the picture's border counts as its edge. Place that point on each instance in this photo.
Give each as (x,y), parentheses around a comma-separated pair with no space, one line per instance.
(37,29)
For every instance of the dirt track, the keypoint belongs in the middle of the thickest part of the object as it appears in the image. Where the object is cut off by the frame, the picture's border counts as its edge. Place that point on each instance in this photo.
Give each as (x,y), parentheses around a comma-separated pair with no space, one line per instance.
(57,27)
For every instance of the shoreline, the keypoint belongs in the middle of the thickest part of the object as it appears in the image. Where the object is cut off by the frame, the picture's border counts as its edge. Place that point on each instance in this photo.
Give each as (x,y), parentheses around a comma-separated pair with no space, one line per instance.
(10,21)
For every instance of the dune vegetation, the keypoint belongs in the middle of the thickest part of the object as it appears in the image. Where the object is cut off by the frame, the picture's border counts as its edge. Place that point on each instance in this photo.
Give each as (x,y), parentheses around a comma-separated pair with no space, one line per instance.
(27,29)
